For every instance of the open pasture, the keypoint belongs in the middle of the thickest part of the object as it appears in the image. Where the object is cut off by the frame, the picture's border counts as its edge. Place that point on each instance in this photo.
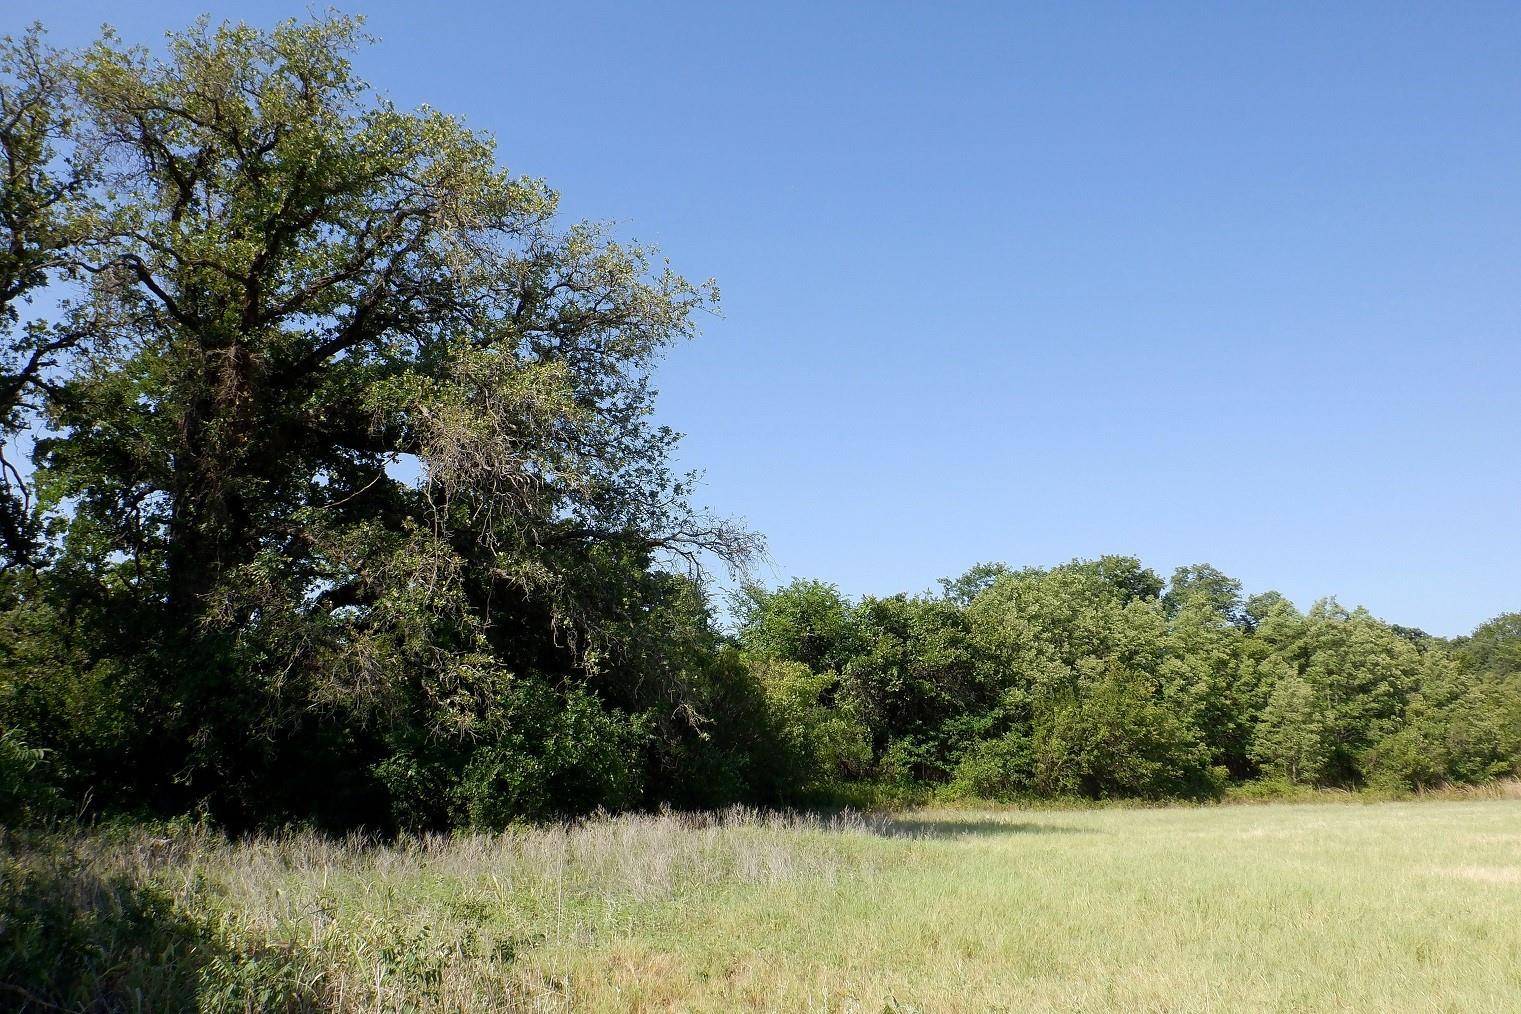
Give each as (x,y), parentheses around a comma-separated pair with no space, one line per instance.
(1325,906)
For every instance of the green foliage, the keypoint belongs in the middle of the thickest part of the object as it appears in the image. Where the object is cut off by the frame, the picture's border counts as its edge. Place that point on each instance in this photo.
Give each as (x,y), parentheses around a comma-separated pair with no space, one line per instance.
(1083,649)
(1111,735)
(915,671)
(1000,769)
(1495,647)
(824,742)
(1207,672)
(27,792)
(289,287)
(808,622)
(1082,680)
(1460,726)
(1358,674)
(978,579)
(1293,739)
(1205,585)
(737,753)
(537,755)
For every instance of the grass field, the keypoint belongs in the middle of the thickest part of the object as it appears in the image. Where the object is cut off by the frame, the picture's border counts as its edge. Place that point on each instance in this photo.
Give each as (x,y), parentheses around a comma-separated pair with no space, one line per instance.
(1320,906)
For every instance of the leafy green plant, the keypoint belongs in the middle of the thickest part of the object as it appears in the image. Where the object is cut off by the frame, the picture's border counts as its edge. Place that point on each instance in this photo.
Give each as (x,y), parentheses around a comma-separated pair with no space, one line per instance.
(26,792)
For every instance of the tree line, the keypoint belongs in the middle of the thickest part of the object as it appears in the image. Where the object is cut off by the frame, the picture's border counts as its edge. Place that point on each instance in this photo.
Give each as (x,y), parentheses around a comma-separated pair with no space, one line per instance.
(330,492)
(1097,679)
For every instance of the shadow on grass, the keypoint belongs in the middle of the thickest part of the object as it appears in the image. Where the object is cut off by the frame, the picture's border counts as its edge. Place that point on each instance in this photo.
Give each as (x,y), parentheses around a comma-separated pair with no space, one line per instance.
(953,828)
(76,938)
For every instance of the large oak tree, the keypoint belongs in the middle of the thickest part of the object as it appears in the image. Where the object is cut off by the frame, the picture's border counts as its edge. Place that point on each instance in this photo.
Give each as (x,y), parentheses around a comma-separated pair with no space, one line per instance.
(360,431)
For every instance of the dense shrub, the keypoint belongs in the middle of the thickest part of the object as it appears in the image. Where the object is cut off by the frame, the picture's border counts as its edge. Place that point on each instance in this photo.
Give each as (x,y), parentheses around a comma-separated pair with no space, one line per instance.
(1112,737)
(535,755)
(1001,769)
(27,790)
(824,741)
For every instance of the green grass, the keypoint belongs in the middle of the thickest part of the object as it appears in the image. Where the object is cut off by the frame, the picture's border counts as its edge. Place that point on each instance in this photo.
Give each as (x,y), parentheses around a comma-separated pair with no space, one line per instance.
(1406,905)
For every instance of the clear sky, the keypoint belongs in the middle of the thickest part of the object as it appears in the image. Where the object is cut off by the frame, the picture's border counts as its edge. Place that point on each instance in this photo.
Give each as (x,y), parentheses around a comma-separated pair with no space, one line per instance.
(1237,283)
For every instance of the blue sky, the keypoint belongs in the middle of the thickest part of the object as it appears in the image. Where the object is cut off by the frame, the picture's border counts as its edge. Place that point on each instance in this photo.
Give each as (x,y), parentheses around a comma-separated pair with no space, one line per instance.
(1230,283)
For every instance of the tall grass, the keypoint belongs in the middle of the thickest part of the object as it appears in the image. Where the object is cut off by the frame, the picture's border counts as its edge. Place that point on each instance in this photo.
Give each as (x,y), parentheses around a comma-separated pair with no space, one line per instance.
(180,916)
(1405,905)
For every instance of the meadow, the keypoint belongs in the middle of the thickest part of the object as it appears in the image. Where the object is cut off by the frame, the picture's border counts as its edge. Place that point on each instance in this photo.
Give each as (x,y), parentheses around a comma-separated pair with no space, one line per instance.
(1331,905)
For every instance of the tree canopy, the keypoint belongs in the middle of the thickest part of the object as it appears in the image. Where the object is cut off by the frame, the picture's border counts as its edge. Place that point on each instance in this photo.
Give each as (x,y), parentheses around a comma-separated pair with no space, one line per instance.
(338,427)
(1091,680)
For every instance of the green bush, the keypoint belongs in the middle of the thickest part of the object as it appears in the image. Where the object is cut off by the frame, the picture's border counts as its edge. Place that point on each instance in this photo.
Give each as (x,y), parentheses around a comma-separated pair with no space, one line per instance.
(537,755)
(825,742)
(1000,769)
(1114,738)
(27,794)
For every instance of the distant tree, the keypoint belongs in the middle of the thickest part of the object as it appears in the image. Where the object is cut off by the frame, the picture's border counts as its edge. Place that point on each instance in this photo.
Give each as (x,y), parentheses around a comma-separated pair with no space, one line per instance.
(825,742)
(1460,725)
(1495,646)
(1111,734)
(914,670)
(1259,608)
(1077,654)
(1126,574)
(1292,737)
(808,622)
(1106,608)
(977,579)
(1201,581)
(1205,665)
(1415,635)
(1363,672)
